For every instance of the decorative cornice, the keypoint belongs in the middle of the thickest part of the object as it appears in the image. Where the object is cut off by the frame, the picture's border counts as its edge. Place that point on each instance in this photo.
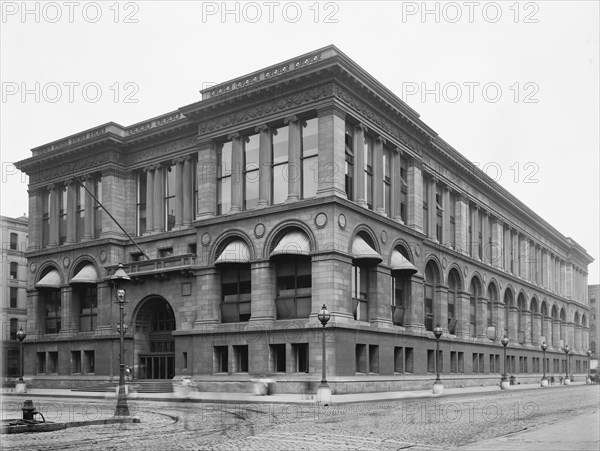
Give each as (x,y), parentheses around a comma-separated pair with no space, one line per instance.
(71,168)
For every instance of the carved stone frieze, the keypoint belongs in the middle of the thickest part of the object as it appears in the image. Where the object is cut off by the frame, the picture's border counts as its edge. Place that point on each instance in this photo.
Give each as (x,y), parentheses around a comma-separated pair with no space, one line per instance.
(44,173)
(163,149)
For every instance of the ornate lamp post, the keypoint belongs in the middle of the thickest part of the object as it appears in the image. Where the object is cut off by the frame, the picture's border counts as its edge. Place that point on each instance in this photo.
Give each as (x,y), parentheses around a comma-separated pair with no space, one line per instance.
(122,409)
(21,387)
(544,382)
(588,380)
(438,387)
(324,392)
(567,349)
(504,384)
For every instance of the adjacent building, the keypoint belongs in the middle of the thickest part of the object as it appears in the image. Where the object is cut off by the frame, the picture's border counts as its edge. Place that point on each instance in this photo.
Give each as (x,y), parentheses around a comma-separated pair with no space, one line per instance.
(238,216)
(594,297)
(13,284)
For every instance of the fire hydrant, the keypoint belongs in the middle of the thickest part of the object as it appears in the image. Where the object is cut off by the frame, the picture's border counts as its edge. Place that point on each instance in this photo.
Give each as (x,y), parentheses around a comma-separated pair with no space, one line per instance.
(28,410)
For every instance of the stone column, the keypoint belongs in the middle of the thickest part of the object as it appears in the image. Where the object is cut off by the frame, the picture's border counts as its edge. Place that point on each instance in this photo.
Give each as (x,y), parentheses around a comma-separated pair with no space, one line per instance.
(263,291)
(498,318)
(486,250)
(536,324)
(569,280)
(237,171)
(158,205)
(513,326)
(506,249)
(578,340)
(332,151)
(53,213)
(380,310)
(359,164)
(432,211)
(33,326)
(206,178)
(294,158)
(265,162)
(496,248)
(415,309)
(481,315)
(67,328)
(548,333)
(570,328)
(34,242)
(527,326)
(440,308)
(208,297)
(88,219)
(72,188)
(396,185)
(515,251)
(556,333)
(178,162)
(415,195)
(188,190)
(463,314)
(462,223)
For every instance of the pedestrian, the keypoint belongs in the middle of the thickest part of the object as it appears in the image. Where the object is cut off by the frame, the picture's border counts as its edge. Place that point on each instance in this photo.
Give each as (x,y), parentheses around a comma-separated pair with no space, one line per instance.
(551,380)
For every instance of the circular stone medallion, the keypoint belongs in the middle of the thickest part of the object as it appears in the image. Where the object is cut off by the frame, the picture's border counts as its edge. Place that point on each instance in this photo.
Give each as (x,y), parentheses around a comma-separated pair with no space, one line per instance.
(259,230)
(321,220)
(342,221)
(205,239)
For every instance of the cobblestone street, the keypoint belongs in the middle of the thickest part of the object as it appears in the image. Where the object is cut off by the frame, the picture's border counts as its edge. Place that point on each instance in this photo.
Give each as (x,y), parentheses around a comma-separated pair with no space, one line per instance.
(434,423)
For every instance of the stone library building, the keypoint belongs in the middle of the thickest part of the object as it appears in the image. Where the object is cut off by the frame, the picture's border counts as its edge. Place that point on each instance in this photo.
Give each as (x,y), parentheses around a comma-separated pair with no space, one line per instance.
(238,216)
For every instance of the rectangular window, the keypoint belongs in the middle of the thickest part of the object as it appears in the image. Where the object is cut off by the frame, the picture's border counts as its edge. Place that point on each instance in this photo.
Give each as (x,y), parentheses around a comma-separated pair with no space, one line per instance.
(224,162)
(461,362)
(360,291)
(520,364)
(14,268)
(141,209)
(51,302)
(75,362)
(472,317)
(399,288)
(89,361)
(300,356)
(475,365)
(492,362)
(403,189)
(241,358)
(235,290)
(14,239)
(481,363)
(45,218)
(453,362)
(185,360)
(439,208)
(53,362)
(398,360)
(525,370)
(62,214)
(428,306)
(221,359)
(368,171)
(425,206)
(294,288)
(360,355)
(280,143)
(251,171)
(387,182)
(170,196)
(409,360)
(310,158)
(80,212)
(97,209)
(349,162)
(440,359)
(430,361)
(374,358)
(14,297)
(88,303)
(452,232)
(41,362)
(165,252)
(278,357)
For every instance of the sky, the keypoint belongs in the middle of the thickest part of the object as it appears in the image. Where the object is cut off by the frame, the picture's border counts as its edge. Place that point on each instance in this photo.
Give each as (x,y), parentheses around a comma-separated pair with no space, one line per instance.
(513,86)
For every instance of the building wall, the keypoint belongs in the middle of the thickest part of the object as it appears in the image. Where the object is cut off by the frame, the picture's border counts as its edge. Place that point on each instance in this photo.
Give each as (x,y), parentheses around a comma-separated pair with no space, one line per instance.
(410,192)
(594,298)
(14,245)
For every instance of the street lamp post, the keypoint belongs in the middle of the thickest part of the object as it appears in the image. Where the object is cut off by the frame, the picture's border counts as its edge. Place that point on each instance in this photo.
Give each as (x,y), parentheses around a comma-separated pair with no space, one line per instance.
(544,382)
(323,391)
(504,384)
(567,349)
(122,409)
(588,380)
(438,386)
(21,387)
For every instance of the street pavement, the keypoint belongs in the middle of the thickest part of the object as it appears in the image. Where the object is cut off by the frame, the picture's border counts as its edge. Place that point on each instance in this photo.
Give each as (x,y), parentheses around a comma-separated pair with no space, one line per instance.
(486,418)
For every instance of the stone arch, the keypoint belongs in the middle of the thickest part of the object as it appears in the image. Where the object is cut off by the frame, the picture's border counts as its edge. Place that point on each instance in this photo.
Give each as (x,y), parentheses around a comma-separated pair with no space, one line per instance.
(80,262)
(584,320)
(431,296)
(534,304)
(285,226)
(225,238)
(367,234)
(153,322)
(404,248)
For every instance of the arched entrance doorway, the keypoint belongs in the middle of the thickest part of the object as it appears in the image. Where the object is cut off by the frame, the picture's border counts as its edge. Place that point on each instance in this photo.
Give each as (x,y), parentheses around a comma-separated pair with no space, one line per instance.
(154,341)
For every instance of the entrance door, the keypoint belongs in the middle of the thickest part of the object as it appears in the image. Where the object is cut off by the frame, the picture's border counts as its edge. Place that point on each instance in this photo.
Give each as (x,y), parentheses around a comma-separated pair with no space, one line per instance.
(157,358)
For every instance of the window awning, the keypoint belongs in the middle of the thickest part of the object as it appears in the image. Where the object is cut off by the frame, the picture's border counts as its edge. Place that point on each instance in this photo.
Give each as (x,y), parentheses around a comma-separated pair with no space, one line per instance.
(292,243)
(401,264)
(87,274)
(50,280)
(363,252)
(235,252)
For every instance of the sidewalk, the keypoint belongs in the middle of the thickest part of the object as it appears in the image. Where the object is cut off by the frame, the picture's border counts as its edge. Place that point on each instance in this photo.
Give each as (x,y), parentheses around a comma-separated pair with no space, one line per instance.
(287,398)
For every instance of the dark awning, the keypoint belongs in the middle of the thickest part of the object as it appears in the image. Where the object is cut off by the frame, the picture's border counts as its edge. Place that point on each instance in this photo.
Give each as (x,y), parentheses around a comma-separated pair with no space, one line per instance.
(235,252)
(86,275)
(361,251)
(292,243)
(401,264)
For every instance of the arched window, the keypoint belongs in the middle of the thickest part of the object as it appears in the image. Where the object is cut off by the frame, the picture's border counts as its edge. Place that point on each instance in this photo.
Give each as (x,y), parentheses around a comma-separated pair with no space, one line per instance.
(508,302)
(544,316)
(402,270)
(522,326)
(49,295)
(233,262)
(534,310)
(85,295)
(492,299)
(431,280)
